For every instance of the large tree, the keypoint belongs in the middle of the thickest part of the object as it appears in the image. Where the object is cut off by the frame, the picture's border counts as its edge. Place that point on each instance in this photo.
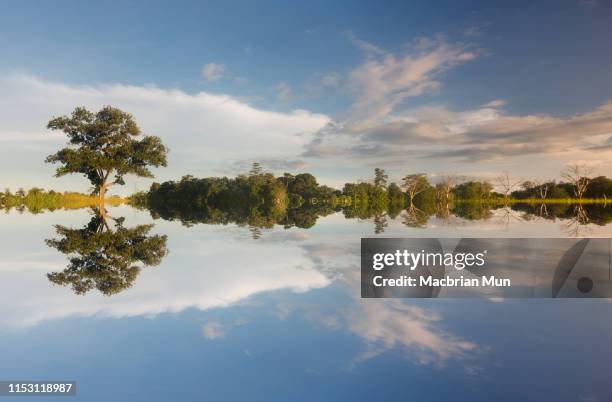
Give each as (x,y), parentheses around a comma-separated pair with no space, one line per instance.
(578,176)
(415,184)
(380,178)
(104,144)
(105,259)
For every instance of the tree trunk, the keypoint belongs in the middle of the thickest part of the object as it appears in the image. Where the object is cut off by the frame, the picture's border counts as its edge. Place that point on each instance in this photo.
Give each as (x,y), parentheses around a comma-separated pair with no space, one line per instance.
(102,193)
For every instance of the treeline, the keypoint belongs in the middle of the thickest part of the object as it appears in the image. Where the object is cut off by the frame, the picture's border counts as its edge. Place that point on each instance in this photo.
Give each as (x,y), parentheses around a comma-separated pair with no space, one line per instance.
(597,188)
(37,200)
(255,199)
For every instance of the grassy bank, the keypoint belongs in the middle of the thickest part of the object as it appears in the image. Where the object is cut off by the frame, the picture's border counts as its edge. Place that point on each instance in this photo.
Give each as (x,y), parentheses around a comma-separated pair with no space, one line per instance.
(538,201)
(37,200)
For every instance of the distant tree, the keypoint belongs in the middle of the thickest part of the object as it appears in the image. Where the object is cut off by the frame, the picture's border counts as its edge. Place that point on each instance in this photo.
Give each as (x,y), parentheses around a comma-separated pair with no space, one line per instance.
(305,185)
(506,184)
(380,178)
(542,188)
(286,179)
(578,176)
(105,143)
(444,189)
(473,190)
(599,187)
(256,169)
(414,184)
(559,191)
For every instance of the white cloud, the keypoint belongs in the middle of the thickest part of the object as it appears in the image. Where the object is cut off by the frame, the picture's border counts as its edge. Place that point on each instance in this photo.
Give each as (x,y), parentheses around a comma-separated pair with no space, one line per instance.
(487,135)
(205,132)
(385,79)
(393,323)
(209,277)
(213,71)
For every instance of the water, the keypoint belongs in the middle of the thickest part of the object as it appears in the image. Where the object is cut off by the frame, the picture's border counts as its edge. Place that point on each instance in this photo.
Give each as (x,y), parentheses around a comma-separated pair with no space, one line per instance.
(228,317)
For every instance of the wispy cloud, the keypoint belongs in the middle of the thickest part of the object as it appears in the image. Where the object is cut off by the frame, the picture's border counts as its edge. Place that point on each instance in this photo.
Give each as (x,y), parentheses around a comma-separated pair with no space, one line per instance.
(483,134)
(284,91)
(213,71)
(385,80)
(213,330)
(394,324)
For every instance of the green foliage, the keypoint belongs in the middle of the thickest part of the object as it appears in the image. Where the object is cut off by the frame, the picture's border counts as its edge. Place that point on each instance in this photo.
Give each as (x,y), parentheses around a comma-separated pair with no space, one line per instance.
(599,187)
(473,190)
(105,259)
(259,201)
(103,144)
(305,185)
(414,184)
(37,200)
(380,178)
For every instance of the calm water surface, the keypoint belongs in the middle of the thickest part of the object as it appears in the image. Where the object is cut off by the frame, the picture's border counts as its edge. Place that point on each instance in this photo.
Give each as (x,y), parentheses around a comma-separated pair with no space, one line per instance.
(225,317)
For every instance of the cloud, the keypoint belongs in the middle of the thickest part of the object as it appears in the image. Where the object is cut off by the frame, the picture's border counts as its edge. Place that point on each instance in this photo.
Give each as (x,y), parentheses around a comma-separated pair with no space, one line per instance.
(494,103)
(210,277)
(475,30)
(385,80)
(390,324)
(205,132)
(604,146)
(275,165)
(284,91)
(369,49)
(213,71)
(379,128)
(478,135)
(330,80)
(213,330)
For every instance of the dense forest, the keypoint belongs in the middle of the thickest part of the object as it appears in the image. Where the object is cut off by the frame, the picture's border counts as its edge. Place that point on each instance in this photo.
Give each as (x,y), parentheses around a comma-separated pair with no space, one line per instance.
(259,199)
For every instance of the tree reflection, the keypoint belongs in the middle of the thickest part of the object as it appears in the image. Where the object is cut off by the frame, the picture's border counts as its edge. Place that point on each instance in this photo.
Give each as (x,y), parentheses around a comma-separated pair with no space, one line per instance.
(575,216)
(575,226)
(105,258)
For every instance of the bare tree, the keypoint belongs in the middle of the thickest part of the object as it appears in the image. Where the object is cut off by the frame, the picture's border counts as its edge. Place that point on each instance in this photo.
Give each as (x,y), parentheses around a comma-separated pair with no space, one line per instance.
(444,188)
(506,184)
(578,176)
(541,186)
(415,184)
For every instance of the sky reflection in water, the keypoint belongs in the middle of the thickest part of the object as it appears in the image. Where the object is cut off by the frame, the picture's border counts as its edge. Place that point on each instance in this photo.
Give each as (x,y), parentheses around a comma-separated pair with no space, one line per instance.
(226,317)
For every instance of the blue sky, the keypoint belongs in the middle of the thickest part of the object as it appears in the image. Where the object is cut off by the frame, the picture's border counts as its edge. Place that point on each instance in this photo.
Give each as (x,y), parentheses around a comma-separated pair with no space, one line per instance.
(469,87)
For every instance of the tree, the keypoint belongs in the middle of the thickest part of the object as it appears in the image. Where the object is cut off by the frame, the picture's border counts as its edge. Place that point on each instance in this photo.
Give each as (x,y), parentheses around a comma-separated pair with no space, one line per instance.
(105,259)
(444,188)
(105,143)
(506,184)
(256,169)
(473,190)
(415,184)
(305,185)
(543,187)
(599,187)
(578,176)
(380,178)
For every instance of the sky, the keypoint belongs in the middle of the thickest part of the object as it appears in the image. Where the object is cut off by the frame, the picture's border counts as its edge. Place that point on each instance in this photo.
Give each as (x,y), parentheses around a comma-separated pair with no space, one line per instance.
(471,88)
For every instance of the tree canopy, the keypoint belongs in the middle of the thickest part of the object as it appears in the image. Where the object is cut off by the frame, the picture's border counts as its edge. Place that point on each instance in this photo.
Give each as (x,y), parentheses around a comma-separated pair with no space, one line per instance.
(105,259)
(105,143)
